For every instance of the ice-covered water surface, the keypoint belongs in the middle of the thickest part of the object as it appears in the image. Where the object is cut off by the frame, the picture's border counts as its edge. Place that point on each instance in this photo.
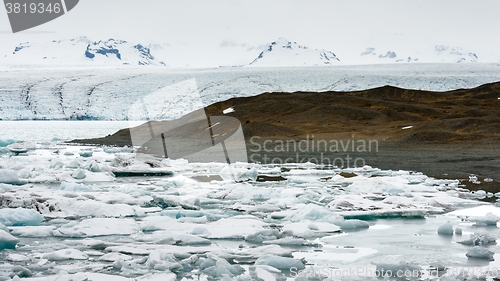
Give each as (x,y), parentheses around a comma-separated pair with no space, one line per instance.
(107,94)
(65,216)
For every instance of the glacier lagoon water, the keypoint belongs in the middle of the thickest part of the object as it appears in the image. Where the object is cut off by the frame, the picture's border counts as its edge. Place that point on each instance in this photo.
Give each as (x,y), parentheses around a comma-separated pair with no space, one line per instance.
(165,228)
(143,228)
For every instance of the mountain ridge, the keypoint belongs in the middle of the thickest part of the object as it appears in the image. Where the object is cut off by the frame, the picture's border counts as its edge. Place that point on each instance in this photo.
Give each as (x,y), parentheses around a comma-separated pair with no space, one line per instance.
(82,51)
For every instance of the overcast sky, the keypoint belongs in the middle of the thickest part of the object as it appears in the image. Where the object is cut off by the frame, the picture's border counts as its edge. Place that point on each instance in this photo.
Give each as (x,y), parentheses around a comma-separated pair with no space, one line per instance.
(328,24)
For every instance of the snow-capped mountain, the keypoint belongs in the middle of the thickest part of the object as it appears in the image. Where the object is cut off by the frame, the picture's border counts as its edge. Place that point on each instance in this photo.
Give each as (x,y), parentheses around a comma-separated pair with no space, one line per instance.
(84,52)
(287,53)
(429,54)
(80,52)
(447,53)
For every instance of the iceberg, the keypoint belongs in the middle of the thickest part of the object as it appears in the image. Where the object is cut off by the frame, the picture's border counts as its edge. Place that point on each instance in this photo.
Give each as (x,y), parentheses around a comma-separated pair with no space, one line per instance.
(33,231)
(9,177)
(280,262)
(4,143)
(75,187)
(66,254)
(351,225)
(489,219)
(7,241)
(478,240)
(78,174)
(480,252)
(8,270)
(98,227)
(222,267)
(446,229)
(262,236)
(232,173)
(291,241)
(20,217)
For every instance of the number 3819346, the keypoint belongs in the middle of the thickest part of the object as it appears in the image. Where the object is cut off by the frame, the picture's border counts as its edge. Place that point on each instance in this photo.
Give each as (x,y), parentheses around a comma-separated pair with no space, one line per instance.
(33,8)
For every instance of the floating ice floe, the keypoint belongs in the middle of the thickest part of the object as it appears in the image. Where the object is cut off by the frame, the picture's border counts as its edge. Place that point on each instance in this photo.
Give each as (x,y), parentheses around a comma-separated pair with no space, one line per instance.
(33,231)
(10,177)
(98,227)
(20,147)
(7,241)
(181,226)
(479,252)
(20,217)
(235,173)
(281,262)
(478,240)
(66,254)
(8,271)
(487,215)
(488,219)
(446,229)
(308,229)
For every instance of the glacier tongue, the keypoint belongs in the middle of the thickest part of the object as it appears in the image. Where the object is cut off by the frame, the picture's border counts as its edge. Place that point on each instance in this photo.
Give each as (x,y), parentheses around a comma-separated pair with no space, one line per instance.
(101,94)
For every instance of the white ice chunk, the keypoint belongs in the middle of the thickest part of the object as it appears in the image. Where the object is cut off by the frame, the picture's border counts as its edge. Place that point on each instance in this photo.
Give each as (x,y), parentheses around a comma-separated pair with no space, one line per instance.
(9,177)
(66,254)
(234,228)
(232,173)
(309,229)
(75,187)
(291,241)
(20,217)
(223,268)
(112,257)
(98,227)
(280,262)
(78,174)
(33,231)
(262,236)
(17,257)
(8,270)
(264,275)
(162,260)
(489,219)
(86,153)
(446,229)
(479,211)
(313,212)
(479,240)
(353,224)
(479,252)
(158,277)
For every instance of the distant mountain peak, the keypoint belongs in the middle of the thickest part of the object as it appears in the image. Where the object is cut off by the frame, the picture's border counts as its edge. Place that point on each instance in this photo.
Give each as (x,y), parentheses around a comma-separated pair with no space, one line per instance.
(457,53)
(283,52)
(82,51)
